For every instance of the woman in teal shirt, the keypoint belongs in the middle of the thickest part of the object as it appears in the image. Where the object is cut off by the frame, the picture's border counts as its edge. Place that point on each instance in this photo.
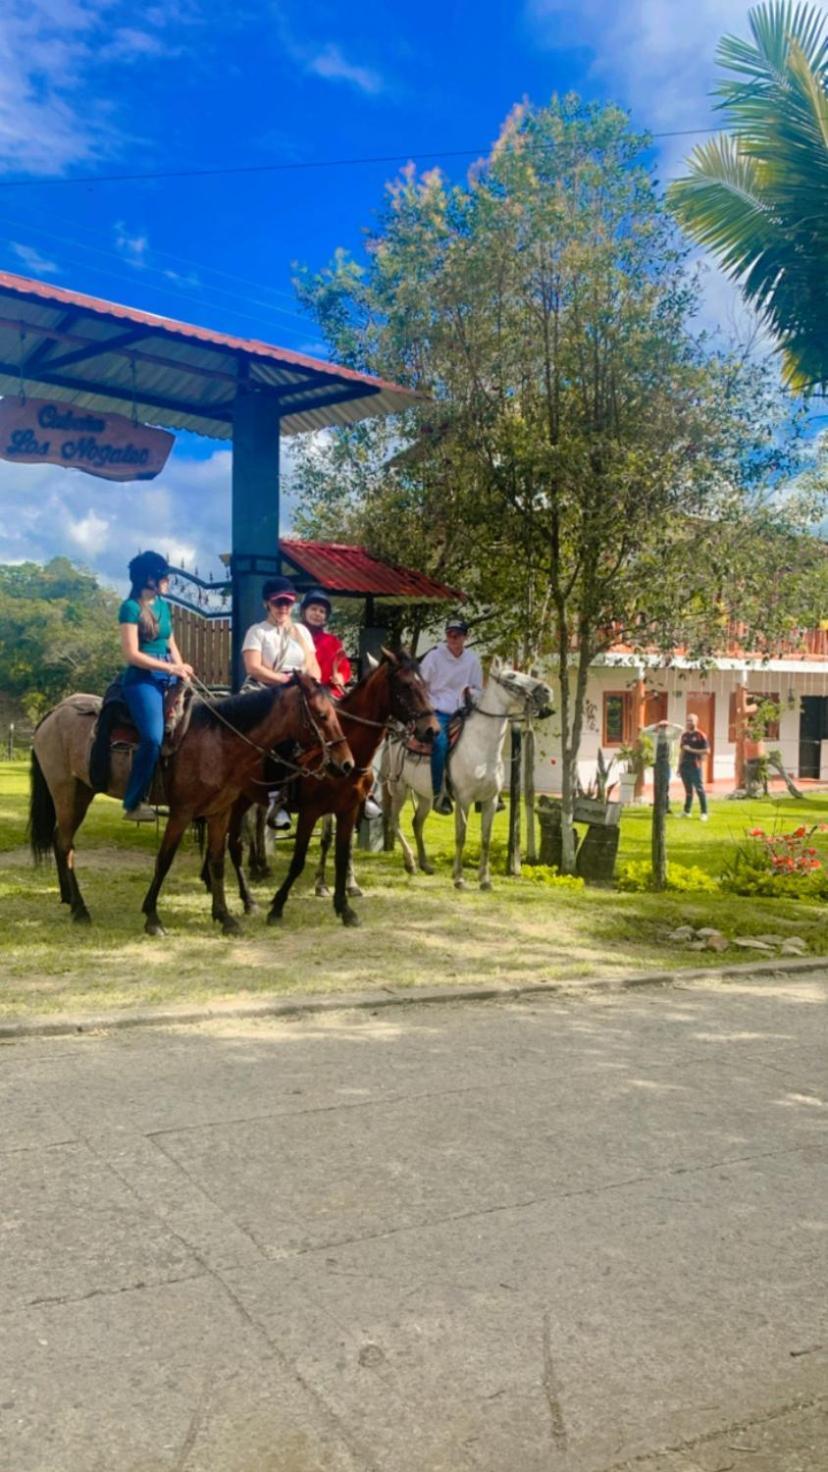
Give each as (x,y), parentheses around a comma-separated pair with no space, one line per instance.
(153,664)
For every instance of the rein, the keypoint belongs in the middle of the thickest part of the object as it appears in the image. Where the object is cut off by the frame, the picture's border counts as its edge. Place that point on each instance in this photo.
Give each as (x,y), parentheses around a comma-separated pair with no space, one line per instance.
(318,773)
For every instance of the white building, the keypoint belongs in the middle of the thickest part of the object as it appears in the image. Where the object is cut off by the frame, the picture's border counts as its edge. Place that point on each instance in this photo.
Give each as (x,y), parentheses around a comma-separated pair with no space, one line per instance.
(627,691)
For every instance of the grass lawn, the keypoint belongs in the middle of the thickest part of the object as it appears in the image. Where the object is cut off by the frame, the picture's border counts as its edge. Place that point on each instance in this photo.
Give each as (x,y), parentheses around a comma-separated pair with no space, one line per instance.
(415,931)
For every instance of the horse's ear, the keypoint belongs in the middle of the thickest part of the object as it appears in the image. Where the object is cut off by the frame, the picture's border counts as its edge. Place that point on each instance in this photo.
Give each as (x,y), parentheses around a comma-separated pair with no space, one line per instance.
(373,664)
(389,655)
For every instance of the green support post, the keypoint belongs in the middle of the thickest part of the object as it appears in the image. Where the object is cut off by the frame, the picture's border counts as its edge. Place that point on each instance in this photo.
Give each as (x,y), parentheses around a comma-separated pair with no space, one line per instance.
(255,519)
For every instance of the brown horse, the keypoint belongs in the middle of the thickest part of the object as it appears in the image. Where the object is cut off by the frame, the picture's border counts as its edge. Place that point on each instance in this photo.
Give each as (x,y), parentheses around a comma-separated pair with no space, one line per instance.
(394,690)
(221,752)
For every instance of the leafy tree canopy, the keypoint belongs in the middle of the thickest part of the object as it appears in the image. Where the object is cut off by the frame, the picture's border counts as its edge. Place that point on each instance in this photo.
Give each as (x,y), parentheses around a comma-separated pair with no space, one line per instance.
(58,632)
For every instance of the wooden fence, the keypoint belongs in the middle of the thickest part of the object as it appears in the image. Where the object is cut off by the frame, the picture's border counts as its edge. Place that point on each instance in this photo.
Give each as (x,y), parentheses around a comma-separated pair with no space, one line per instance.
(205,644)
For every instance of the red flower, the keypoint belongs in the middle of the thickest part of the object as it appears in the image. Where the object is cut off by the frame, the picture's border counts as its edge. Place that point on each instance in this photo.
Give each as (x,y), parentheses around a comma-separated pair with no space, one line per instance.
(799,832)
(756,833)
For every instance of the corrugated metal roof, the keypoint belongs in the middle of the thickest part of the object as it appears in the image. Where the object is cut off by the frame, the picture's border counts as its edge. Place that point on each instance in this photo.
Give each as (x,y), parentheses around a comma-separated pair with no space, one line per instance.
(340,568)
(101,355)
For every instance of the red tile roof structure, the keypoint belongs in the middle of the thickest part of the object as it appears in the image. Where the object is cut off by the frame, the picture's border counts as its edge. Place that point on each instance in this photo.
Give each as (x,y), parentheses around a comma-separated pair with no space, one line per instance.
(341,568)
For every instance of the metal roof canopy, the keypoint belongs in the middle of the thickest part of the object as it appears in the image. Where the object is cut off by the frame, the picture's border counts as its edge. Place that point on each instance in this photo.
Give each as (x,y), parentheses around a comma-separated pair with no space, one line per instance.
(346,571)
(102,356)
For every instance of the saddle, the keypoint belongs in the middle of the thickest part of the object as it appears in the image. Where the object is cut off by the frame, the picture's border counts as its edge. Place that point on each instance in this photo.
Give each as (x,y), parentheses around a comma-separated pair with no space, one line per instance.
(114,729)
(415,747)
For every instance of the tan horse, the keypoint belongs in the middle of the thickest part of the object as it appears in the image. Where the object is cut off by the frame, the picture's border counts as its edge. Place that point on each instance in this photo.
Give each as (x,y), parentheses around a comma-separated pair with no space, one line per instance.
(219,755)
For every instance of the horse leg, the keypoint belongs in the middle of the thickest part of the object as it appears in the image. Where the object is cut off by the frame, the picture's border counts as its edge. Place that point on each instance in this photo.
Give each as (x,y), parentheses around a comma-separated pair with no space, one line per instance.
(461,819)
(216,842)
(71,803)
(304,830)
(398,796)
(344,833)
(487,812)
(352,888)
(257,865)
(173,833)
(325,841)
(235,848)
(424,806)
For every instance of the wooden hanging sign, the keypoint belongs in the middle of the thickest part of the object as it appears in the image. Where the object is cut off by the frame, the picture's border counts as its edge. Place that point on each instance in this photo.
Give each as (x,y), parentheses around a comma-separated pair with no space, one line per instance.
(48,432)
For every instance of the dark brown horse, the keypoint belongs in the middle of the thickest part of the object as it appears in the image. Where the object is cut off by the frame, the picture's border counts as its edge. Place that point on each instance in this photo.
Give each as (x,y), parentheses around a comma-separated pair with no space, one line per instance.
(220,754)
(394,690)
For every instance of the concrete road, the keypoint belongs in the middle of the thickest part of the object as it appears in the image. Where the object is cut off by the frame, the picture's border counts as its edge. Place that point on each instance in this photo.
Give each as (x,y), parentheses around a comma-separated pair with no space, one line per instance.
(579,1233)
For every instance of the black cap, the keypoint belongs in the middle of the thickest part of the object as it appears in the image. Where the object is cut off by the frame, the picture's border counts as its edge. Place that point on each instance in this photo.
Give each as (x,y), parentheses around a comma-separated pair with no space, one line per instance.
(279,588)
(456,626)
(315,595)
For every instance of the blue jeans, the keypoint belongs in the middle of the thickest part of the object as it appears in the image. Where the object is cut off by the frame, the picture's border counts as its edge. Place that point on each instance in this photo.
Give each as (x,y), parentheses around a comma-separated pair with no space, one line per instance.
(144,694)
(693,782)
(439,751)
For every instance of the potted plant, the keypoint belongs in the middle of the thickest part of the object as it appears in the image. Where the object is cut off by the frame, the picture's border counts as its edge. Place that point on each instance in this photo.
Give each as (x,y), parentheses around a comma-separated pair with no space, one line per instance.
(636,758)
(593,805)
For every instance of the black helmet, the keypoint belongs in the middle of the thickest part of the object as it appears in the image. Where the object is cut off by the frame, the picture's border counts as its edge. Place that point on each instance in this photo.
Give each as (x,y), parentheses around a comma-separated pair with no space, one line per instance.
(147,569)
(315,595)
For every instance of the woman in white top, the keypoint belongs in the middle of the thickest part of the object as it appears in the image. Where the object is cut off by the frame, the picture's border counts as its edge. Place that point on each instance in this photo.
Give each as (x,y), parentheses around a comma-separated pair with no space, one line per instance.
(276,647)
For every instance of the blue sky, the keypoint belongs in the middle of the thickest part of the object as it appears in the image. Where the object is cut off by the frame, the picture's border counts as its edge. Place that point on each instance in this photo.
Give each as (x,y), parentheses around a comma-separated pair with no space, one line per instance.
(92,87)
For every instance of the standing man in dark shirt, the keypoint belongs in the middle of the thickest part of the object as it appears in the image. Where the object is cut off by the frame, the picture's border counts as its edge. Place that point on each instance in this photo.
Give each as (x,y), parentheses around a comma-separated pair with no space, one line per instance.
(693,748)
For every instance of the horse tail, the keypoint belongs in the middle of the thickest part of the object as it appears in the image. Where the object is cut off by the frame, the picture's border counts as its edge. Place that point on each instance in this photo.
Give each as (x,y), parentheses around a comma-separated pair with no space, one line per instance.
(42,815)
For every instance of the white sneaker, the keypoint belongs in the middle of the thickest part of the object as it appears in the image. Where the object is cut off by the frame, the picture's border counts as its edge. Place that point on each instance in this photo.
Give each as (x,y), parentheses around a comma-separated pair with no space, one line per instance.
(372,808)
(704,817)
(142,814)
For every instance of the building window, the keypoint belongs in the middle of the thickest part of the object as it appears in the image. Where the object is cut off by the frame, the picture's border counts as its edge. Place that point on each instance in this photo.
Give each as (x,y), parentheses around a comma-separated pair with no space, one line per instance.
(617,717)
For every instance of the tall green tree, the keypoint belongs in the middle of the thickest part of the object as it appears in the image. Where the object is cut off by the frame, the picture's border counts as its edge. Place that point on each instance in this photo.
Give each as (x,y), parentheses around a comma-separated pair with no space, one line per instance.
(597,452)
(58,633)
(757,195)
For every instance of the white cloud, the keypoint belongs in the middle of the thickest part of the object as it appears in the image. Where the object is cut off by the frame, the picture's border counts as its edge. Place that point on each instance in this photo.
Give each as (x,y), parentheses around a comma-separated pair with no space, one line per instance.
(35,263)
(658,57)
(91,533)
(55,57)
(331,64)
(133,248)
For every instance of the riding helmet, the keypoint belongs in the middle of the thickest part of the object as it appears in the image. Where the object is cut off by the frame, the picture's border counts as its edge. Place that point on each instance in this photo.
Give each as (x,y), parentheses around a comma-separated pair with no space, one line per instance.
(315,595)
(147,569)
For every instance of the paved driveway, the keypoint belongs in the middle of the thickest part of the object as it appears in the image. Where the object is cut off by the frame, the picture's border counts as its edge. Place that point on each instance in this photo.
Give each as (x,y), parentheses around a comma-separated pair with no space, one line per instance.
(574,1234)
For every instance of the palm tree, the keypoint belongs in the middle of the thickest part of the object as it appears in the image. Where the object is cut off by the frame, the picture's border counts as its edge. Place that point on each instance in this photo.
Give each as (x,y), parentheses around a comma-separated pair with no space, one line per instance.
(757,196)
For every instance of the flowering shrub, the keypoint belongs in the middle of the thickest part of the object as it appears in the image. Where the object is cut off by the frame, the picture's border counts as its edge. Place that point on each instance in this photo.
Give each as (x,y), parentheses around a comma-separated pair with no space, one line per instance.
(778,865)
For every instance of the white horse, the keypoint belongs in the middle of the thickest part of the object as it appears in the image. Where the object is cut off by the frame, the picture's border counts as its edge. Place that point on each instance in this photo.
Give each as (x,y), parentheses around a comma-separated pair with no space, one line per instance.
(476,769)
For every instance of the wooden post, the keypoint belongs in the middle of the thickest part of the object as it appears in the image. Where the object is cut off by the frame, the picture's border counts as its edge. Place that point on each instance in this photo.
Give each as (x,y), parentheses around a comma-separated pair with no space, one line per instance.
(660,797)
(255,514)
(513,853)
(529,794)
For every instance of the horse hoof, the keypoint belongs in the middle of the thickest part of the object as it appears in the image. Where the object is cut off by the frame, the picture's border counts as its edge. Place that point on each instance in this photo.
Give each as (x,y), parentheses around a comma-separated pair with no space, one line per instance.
(82,917)
(459,884)
(410,869)
(427,868)
(250,907)
(485,884)
(322,891)
(154,927)
(350,917)
(354,892)
(274,917)
(231,926)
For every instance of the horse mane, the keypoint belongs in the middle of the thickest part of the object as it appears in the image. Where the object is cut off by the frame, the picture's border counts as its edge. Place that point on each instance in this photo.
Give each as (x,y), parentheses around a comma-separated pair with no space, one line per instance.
(242,712)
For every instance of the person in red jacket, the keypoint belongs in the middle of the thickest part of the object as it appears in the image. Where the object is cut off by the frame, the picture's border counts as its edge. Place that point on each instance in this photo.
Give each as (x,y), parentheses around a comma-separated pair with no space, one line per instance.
(334,664)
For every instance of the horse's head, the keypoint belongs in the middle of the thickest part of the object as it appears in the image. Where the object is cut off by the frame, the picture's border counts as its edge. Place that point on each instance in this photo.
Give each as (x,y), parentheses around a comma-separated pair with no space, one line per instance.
(409,697)
(528,695)
(323,723)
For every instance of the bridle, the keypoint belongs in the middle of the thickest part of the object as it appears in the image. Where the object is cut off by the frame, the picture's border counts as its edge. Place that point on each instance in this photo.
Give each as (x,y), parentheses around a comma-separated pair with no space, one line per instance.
(531,699)
(271,753)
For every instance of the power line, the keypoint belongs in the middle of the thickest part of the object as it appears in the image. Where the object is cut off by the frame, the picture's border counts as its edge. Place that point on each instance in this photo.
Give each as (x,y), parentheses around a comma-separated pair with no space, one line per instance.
(282,168)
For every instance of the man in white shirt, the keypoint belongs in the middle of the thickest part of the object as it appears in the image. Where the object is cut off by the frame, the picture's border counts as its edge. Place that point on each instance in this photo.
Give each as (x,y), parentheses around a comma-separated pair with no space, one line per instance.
(452,674)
